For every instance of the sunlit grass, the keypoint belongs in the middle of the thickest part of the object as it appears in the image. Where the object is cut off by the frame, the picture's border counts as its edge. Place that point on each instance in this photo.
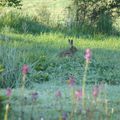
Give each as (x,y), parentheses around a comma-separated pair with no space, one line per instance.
(31,48)
(110,43)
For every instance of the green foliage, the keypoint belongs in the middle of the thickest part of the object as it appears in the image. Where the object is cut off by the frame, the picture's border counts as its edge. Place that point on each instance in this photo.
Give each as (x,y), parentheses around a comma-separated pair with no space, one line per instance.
(22,24)
(104,24)
(1,68)
(10,3)
(98,15)
(40,52)
(10,63)
(2,99)
(48,17)
(30,40)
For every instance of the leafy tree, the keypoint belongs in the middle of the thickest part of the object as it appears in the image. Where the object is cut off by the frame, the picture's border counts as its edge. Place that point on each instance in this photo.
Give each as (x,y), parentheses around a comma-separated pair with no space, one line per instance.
(98,14)
(10,3)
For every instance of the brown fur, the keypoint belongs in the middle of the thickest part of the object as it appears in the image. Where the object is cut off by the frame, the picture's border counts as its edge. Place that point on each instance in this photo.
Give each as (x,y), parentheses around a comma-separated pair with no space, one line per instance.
(70,52)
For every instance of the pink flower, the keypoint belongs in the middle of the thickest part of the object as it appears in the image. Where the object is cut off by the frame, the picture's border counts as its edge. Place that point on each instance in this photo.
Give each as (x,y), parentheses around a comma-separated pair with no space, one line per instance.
(78,94)
(25,69)
(71,81)
(88,54)
(8,92)
(58,94)
(95,91)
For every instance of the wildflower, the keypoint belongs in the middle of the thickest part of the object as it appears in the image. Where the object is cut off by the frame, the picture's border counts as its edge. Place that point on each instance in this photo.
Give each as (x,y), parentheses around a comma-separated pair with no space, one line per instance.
(87,58)
(34,96)
(8,92)
(25,69)
(80,111)
(78,94)
(64,116)
(95,91)
(71,81)
(88,55)
(58,94)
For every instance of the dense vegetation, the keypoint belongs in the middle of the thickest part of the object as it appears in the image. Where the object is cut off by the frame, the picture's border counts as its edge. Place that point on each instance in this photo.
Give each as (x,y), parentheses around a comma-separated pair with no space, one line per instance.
(10,3)
(47,65)
(35,35)
(96,14)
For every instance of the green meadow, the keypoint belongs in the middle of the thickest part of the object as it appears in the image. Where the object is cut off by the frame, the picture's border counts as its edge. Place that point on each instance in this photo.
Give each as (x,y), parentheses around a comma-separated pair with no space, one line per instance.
(26,37)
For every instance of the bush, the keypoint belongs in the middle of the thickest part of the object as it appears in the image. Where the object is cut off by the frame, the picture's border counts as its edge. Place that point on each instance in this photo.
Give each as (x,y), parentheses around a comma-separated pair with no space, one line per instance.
(21,23)
(104,24)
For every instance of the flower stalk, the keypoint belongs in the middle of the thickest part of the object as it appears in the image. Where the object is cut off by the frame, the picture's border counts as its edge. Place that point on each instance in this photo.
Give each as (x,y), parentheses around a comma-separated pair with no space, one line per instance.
(6,112)
(87,58)
(24,73)
(8,94)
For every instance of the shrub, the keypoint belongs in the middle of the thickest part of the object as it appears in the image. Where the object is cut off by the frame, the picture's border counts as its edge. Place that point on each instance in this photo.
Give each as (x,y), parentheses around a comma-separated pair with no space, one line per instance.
(21,23)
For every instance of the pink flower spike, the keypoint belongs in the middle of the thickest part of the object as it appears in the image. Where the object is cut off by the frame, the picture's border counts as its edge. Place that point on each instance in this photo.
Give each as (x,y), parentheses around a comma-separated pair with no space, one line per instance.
(95,91)
(78,94)
(88,50)
(58,94)
(8,92)
(25,69)
(88,54)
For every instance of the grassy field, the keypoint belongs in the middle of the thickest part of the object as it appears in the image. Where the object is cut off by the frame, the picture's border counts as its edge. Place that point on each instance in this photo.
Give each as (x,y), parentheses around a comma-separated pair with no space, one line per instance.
(48,72)
(24,40)
(47,106)
(45,56)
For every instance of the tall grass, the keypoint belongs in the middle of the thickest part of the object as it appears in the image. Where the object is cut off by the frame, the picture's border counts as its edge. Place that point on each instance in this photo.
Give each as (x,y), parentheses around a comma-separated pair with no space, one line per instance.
(36,40)
(41,52)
